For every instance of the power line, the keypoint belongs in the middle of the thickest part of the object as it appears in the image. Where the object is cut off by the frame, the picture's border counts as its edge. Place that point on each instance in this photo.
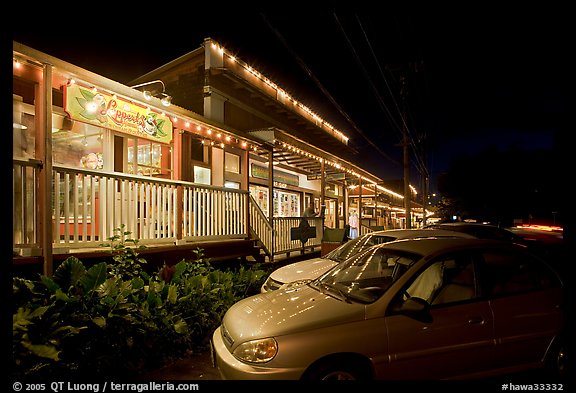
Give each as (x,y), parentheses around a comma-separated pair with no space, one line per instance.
(417,154)
(367,76)
(326,93)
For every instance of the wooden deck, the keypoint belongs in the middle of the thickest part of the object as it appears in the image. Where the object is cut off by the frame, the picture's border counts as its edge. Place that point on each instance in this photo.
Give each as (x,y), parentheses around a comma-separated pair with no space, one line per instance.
(225,252)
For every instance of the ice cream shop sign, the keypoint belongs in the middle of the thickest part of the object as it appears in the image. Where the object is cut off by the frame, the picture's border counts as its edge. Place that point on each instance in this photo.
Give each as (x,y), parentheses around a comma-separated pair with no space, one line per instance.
(104,110)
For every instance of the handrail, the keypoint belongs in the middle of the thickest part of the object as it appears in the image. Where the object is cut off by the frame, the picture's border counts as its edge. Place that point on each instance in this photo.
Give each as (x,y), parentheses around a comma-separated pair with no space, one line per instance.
(90,205)
(25,175)
(261,227)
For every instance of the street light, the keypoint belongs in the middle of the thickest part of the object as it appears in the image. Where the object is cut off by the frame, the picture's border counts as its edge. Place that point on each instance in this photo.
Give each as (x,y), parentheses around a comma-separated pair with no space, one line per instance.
(166,99)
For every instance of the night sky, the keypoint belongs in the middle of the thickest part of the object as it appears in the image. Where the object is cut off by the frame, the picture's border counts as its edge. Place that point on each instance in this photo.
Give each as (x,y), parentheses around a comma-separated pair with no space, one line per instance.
(473,76)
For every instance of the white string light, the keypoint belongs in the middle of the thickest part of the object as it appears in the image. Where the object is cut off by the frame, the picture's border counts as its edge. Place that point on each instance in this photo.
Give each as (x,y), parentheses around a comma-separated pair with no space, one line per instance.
(193,126)
(331,129)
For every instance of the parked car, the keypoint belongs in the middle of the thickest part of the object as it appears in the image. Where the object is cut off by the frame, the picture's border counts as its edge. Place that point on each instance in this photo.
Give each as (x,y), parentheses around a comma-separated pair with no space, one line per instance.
(301,272)
(480,230)
(548,244)
(445,308)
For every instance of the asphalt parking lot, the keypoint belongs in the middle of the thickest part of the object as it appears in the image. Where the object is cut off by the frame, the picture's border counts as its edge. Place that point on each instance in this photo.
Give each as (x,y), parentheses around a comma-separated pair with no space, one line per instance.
(194,367)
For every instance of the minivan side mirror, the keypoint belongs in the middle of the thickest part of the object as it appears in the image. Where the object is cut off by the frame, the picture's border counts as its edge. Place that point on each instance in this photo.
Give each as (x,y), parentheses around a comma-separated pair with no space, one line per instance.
(416,308)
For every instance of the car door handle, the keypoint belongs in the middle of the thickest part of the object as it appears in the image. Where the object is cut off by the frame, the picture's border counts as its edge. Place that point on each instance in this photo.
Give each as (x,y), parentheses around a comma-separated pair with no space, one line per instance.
(475,321)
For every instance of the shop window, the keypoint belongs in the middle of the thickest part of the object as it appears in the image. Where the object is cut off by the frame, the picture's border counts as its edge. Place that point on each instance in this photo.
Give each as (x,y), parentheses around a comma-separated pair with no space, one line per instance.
(23,133)
(76,144)
(198,150)
(202,175)
(148,158)
(260,195)
(232,162)
(284,203)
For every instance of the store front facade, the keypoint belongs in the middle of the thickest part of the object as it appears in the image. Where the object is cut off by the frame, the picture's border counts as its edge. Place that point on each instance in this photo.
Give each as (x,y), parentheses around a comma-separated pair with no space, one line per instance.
(92,155)
(93,158)
(212,81)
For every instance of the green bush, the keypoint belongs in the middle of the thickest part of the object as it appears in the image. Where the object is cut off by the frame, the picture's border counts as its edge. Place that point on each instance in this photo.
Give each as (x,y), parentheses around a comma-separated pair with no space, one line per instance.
(117,320)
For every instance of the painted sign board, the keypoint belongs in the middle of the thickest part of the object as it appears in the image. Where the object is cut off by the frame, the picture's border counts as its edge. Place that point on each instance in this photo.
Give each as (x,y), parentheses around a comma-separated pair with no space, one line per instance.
(105,110)
(261,172)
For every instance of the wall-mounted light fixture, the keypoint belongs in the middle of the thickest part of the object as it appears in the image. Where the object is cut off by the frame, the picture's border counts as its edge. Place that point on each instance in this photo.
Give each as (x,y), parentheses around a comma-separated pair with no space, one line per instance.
(148,94)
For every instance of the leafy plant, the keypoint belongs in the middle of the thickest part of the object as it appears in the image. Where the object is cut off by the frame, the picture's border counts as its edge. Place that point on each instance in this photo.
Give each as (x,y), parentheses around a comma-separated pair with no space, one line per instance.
(125,249)
(113,319)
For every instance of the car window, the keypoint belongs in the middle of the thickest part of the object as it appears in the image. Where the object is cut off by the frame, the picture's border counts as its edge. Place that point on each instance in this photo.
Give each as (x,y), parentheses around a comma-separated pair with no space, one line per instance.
(427,283)
(458,282)
(449,279)
(509,272)
(380,239)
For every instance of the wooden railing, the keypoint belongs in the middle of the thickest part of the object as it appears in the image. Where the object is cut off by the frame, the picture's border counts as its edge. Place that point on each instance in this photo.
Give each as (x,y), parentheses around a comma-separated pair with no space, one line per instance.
(285,243)
(90,206)
(213,212)
(262,230)
(25,176)
(277,238)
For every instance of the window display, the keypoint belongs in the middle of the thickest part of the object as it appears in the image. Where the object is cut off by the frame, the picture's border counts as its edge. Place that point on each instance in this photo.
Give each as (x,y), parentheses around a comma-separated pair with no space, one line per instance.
(23,134)
(77,144)
(232,162)
(285,203)
(147,158)
(202,175)
(260,195)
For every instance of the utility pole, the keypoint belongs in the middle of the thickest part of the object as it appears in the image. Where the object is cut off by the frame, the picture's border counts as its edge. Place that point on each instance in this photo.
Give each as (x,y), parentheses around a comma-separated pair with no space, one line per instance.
(425,181)
(406,154)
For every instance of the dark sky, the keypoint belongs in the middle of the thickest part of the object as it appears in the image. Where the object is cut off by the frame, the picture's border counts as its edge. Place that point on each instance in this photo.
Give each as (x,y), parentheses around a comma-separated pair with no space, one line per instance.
(473,76)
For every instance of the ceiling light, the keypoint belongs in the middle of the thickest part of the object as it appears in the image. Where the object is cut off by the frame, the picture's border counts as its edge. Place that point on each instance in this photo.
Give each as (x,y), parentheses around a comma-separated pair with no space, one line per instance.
(148,94)
(166,100)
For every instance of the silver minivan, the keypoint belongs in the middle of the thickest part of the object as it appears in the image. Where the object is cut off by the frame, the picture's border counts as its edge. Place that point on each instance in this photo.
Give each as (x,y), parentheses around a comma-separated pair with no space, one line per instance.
(309,269)
(445,308)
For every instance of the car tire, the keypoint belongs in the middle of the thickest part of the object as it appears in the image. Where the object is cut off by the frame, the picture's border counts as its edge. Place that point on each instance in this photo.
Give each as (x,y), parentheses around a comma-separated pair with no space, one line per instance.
(557,361)
(338,370)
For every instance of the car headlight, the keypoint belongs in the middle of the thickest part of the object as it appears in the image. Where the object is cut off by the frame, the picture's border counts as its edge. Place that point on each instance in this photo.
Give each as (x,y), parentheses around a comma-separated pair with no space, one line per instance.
(257,351)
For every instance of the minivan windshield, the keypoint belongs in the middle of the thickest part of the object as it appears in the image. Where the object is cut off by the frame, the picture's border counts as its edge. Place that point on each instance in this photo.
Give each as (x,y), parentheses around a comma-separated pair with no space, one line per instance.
(365,277)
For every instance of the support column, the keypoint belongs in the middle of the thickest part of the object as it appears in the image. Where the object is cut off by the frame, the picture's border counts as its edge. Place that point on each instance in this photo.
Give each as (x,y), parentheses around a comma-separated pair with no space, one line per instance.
(322,189)
(45,187)
(271,187)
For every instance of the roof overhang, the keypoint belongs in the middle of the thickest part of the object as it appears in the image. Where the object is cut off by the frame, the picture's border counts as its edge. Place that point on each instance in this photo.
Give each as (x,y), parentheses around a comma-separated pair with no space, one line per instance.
(308,159)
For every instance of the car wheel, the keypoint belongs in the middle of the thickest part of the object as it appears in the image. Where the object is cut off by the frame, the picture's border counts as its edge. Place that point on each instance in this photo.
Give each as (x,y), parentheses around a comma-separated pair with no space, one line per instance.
(340,370)
(557,361)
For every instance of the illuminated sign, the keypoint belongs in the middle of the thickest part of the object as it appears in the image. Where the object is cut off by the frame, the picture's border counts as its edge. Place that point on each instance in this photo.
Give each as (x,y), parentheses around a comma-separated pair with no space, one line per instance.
(336,176)
(105,110)
(279,176)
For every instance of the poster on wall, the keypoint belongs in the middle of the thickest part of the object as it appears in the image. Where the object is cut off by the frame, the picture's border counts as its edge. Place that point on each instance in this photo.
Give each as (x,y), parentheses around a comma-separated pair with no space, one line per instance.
(104,110)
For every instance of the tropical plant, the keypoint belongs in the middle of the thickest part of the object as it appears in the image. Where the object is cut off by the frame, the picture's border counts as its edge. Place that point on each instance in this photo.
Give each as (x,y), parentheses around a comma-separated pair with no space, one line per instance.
(113,319)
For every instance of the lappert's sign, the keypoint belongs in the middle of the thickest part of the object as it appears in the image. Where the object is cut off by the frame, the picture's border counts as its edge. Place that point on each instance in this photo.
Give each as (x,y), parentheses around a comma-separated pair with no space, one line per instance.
(105,110)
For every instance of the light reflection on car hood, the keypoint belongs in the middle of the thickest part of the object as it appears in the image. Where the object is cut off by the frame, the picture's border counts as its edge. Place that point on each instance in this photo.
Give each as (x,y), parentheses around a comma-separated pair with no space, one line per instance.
(287,311)
(304,270)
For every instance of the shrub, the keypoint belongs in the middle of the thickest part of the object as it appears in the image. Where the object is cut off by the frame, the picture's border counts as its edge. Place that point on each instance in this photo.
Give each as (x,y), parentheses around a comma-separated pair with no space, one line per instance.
(117,320)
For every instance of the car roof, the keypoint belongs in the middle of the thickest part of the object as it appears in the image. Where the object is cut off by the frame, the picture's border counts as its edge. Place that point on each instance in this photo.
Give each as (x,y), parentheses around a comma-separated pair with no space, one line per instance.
(460,224)
(464,224)
(428,246)
(481,230)
(423,232)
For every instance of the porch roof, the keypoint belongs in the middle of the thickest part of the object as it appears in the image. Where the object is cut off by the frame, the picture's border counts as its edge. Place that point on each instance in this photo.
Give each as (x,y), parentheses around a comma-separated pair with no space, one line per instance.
(307,158)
